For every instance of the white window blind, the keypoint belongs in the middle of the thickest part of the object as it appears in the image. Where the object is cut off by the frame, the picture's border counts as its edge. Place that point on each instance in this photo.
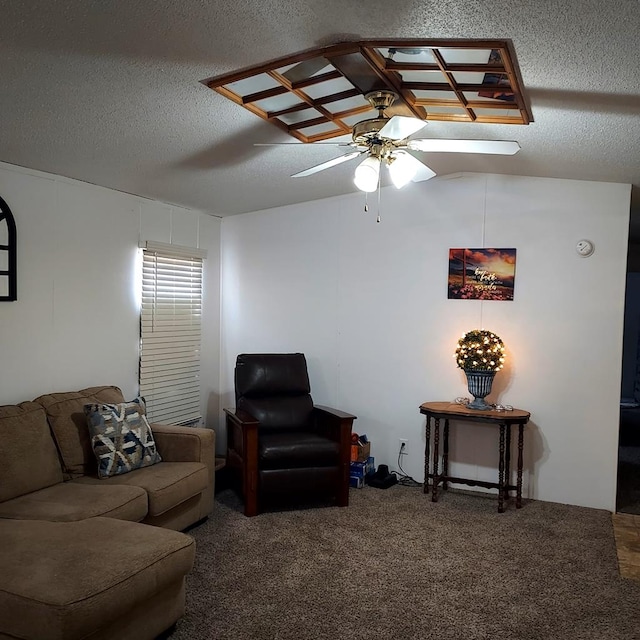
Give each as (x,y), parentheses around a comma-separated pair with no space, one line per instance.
(170,330)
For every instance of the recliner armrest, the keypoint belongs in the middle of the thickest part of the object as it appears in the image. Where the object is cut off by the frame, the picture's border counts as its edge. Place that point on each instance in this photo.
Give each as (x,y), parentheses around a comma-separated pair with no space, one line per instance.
(242,454)
(336,413)
(334,424)
(242,432)
(240,417)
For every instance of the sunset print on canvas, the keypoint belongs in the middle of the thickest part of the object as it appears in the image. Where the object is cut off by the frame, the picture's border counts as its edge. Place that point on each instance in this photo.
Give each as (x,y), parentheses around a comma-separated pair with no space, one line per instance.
(481,274)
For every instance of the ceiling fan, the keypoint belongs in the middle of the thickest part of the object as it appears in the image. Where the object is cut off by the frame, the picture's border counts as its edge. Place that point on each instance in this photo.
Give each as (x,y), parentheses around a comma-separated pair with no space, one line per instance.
(385,141)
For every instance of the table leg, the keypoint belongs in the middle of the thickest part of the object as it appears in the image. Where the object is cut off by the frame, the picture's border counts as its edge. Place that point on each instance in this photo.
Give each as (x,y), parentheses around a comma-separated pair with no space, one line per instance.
(445,454)
(436,442)
(427,454)
(507,464)
(501,472)
(519,482)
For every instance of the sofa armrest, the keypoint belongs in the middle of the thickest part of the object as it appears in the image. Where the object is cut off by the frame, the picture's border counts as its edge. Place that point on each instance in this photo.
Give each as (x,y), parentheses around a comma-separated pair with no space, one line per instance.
(185,444)
(190,444)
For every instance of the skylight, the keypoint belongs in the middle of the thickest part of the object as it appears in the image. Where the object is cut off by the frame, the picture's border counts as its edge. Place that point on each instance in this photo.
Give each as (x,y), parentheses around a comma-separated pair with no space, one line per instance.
(313,95)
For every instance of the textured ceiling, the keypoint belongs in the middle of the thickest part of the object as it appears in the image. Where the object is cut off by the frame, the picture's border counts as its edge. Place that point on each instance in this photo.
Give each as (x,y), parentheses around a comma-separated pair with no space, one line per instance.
(109,92)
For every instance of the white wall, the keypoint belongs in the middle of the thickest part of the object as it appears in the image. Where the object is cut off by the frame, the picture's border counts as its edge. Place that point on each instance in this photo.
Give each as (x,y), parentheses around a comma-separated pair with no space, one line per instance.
(367,303)
(76,321)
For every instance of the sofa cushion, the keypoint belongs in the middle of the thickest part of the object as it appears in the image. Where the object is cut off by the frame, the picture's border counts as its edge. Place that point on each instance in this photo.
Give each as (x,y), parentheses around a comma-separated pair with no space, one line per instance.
(67,580)
(28,457)
(65,413)
(68,501)
(167,484)
(121,437)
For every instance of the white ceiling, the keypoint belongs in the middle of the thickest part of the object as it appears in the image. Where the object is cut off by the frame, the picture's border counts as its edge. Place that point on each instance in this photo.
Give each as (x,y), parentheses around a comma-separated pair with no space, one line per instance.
(108,91)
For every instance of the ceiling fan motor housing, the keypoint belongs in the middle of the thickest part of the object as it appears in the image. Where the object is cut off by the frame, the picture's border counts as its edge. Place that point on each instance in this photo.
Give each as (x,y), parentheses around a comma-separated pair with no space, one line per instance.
(381,99)
(366,130)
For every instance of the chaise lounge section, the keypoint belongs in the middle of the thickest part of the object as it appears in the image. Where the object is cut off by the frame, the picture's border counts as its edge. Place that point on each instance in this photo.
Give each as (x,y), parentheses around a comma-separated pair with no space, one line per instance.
(77,557)
(94,579)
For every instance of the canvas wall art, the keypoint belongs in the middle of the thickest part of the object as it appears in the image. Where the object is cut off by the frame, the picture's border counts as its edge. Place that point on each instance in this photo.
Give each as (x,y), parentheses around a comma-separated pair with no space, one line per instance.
(482,274)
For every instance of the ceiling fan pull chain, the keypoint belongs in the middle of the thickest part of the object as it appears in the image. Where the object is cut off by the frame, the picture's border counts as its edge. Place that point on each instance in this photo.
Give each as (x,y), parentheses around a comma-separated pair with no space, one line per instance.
(378,218)
(366,204)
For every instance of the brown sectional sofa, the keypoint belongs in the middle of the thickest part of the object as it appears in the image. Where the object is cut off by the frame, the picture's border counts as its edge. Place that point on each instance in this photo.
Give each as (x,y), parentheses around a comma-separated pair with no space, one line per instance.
(75,562)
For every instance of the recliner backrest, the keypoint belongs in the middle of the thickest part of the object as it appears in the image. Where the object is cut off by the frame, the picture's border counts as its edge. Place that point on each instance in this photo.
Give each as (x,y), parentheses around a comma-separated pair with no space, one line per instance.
(274,388)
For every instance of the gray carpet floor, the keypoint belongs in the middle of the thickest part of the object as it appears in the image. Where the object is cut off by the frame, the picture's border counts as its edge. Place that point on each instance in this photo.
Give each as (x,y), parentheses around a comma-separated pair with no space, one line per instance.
(394,565)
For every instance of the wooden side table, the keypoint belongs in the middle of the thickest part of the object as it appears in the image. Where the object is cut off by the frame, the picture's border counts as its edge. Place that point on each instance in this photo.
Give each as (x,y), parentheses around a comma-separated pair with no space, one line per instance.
(437,411)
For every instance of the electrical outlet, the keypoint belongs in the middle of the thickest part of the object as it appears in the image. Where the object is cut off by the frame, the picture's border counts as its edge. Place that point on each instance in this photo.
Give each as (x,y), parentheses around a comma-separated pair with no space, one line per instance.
(403,447)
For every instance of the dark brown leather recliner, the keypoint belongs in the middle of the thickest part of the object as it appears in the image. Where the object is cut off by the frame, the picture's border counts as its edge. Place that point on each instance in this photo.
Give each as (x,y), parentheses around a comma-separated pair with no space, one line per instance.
(282,446)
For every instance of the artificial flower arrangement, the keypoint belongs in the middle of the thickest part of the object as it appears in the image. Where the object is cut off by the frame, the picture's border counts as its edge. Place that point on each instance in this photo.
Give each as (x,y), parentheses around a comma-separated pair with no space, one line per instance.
(480,350)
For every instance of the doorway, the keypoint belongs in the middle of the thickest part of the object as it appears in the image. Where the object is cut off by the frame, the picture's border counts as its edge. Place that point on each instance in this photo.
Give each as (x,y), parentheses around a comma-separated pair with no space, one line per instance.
(628,482)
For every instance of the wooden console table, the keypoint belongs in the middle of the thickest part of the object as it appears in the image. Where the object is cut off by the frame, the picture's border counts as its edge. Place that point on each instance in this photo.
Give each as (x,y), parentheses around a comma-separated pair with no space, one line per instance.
(503,419)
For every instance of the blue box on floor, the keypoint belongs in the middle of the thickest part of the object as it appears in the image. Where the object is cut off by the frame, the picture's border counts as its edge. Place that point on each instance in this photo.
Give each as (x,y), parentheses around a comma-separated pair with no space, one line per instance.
(361,469)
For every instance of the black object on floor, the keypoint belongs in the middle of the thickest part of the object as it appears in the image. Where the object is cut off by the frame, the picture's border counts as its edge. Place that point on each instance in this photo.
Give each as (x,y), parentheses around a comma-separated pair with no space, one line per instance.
(382,478)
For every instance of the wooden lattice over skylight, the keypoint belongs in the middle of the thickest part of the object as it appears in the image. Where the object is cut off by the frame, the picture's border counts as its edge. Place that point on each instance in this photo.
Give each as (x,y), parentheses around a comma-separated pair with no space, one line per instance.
(319,94)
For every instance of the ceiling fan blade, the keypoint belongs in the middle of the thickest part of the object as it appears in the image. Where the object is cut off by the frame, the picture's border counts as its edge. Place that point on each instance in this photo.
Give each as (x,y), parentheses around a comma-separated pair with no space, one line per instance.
(404,168)
(401,127)
(422,171)
(498,147)
(306,69)
(303,144)
(328,164)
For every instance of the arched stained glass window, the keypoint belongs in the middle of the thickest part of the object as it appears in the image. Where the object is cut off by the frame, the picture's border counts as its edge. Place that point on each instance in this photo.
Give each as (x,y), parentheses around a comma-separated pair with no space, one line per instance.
(8,261)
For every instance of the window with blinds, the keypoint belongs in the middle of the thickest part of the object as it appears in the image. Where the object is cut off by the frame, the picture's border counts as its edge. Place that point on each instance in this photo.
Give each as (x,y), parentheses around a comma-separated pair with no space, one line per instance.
(170,331)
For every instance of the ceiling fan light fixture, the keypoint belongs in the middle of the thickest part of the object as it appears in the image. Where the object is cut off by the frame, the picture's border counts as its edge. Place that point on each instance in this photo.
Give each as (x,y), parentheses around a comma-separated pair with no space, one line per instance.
(402,168)
(367,174)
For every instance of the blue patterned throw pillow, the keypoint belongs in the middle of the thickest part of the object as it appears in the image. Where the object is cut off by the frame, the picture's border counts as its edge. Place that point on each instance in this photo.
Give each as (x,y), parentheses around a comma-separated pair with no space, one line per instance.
(121,437)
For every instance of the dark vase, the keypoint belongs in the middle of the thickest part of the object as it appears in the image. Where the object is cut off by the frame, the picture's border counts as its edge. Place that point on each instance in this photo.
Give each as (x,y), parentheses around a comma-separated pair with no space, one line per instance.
(479,385)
